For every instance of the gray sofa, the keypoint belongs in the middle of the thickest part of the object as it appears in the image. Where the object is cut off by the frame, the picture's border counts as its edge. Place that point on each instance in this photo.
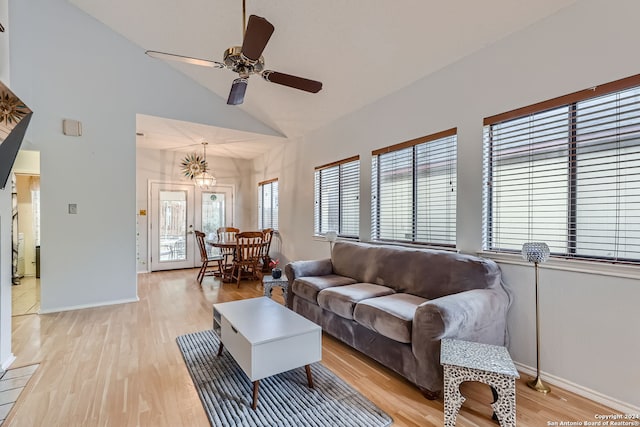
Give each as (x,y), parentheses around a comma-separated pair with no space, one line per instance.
(395,304)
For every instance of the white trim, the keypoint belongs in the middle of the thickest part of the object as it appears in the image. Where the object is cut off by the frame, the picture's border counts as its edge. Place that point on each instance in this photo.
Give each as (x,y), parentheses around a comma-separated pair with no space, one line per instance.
(143,272)
(626,271)
(8,361)
(322,238)
(83,306)
(613,403)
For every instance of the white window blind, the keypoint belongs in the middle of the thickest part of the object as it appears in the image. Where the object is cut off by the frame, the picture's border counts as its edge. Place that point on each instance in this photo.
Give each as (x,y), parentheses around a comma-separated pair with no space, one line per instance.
(414,191)
(337,198)
(567,172)
(268,204)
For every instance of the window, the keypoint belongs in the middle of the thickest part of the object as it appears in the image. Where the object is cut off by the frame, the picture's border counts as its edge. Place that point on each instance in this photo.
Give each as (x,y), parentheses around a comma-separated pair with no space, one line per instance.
(268,204)
(567,172)
(337,198)
(413,191)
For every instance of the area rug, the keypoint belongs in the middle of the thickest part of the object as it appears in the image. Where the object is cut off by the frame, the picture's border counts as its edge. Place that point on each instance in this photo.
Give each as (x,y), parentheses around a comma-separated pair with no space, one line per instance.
(284,400)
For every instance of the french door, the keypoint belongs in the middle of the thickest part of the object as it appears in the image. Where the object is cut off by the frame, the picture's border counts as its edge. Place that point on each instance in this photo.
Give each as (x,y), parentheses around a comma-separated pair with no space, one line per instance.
(176,211)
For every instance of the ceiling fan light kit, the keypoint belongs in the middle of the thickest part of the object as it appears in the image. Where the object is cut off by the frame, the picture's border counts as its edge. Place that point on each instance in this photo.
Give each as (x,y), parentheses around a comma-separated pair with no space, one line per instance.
(238,88)
(247,60)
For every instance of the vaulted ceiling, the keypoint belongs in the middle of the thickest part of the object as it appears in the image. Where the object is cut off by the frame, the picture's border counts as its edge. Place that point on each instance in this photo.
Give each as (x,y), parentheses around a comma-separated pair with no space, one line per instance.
(362,50)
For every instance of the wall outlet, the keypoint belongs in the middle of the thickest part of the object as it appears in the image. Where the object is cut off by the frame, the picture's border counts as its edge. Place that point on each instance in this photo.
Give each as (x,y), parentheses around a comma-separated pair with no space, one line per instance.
(73,208)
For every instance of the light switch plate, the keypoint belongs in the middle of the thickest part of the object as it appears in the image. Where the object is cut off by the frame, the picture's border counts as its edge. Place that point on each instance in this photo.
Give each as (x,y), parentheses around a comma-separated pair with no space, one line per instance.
(73,208)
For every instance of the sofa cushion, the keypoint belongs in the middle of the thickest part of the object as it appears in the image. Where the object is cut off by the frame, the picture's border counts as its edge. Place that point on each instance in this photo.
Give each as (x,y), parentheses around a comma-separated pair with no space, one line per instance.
(308,287)
(391,315)
(342,300)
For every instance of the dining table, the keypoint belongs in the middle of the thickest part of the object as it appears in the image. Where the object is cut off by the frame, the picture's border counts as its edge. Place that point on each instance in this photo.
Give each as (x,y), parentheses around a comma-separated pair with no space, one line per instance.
(212,240)
(225,245)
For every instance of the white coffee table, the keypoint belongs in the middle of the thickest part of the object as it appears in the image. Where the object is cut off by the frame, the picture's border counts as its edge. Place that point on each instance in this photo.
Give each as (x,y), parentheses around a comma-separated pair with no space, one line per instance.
(266,338)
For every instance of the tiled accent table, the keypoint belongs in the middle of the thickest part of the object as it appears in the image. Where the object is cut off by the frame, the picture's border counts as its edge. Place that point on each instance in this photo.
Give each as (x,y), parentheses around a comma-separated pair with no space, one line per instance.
(269,282)
(489,364)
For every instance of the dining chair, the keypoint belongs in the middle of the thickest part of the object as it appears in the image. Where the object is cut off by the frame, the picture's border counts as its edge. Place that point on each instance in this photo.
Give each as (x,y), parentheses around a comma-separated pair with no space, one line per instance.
(227,234)
(266,246)
(208,268)
(247,255)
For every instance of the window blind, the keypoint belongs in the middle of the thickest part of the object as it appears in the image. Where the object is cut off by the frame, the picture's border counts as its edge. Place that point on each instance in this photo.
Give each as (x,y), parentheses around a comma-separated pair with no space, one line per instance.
(414,191)
(337,198)
(568,175)
(268,204)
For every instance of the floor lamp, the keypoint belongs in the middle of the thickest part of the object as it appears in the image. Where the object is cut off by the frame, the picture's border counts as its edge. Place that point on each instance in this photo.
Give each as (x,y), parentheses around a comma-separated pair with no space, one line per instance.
(537,252)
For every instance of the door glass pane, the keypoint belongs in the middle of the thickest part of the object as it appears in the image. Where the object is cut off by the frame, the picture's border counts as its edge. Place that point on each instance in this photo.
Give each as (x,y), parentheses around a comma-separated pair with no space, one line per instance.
(213,205)
(173,225)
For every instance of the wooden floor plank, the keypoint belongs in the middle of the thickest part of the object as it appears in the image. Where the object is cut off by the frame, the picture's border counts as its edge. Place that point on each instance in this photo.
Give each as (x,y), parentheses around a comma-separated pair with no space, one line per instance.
(120,366)
(25,297)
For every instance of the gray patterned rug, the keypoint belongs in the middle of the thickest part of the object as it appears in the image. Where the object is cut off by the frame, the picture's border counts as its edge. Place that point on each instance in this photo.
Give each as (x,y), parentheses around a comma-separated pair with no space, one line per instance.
(284,400)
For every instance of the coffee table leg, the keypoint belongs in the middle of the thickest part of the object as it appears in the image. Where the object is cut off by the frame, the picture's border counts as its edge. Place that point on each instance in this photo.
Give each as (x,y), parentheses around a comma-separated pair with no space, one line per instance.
(309,377)
(256,384)
(220,349)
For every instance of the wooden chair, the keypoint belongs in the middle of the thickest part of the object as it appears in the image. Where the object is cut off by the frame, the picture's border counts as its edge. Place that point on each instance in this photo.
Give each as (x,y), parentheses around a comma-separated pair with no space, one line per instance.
(247,255)
(227,234)
(266,246)
(208,266)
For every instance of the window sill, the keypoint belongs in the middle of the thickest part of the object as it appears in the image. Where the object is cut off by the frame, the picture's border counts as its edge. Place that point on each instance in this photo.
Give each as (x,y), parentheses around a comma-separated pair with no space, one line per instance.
(580,266)
(320,238)
(416,246)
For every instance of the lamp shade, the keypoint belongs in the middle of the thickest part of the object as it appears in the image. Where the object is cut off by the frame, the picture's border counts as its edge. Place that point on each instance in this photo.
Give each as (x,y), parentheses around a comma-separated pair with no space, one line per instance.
(535,252)
(205,180)
(331,236)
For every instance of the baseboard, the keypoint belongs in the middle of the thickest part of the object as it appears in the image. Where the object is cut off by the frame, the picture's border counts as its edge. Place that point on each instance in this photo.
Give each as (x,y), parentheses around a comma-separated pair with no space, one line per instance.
(83,306)
(6,363)
(143,272)
(623,407)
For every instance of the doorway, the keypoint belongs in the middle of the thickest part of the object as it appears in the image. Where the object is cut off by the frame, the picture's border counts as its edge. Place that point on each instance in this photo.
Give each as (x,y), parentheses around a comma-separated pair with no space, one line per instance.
(25,289)
(176,211)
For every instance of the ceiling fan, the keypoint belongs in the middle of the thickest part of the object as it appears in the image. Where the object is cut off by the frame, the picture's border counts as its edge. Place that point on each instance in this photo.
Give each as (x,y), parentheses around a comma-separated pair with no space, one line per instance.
(247,60)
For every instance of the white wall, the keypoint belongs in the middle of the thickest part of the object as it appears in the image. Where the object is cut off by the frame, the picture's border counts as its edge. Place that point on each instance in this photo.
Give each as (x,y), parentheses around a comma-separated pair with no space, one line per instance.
(27,162)
(590,324)
(66,64)
(6,357)
(156,165)
(4,42)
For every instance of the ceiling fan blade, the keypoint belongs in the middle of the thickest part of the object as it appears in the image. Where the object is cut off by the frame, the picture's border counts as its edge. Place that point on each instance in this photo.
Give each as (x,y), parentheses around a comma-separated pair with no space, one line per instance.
(292,81)
(187,59)
(238,88)
(256,37)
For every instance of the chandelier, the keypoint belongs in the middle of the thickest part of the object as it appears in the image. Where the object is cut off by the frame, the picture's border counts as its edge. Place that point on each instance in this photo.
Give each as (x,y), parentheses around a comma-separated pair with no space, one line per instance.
(204,179)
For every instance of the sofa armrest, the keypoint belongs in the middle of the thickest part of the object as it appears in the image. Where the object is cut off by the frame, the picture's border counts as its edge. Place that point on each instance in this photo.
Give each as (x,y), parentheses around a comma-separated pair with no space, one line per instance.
(476,315)
(296,269)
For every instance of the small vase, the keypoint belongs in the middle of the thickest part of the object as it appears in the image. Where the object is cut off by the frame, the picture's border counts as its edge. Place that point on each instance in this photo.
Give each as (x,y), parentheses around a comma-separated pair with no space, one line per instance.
(276,273)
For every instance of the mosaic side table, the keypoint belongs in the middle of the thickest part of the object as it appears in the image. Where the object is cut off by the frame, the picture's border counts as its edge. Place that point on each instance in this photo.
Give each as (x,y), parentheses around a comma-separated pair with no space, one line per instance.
(269,282)
(489,364)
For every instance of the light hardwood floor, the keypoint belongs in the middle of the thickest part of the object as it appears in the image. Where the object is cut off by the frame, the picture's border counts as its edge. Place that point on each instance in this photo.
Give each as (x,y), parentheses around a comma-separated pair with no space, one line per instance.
(25,297)
(120,366)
